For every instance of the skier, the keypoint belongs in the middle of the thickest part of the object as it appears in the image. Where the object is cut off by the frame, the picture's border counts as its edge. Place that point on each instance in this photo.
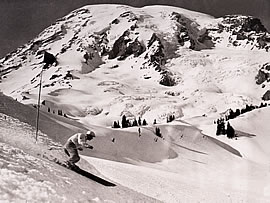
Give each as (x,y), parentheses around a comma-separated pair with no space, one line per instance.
(77,142)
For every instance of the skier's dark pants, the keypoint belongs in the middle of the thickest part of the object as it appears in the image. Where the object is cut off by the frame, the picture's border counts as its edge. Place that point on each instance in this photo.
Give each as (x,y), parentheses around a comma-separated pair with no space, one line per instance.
(71,150)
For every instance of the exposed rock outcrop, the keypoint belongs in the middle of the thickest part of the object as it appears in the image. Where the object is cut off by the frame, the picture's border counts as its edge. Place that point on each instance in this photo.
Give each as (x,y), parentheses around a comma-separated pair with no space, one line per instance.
(156,54)
(92,60)
(119,46)
(253,24)
(245,30)
(266,96)
(263,74)
(189,31)
(167,80)
(124,47)
(101,42)
(136,48)
(48,58)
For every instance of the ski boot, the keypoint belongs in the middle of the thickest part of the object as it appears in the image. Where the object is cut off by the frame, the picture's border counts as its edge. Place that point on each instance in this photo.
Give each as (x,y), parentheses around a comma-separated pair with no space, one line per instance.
(70,165)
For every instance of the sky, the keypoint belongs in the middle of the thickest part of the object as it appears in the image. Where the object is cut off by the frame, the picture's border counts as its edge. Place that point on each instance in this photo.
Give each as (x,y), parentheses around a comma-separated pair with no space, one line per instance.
(21,21)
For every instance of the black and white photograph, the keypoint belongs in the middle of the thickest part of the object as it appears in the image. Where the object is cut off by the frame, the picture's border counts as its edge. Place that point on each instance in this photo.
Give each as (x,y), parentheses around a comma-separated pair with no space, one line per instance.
(107,101)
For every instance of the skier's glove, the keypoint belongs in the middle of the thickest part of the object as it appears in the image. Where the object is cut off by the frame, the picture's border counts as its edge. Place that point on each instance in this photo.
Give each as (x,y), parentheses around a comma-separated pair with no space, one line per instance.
(89,147)
(80,149)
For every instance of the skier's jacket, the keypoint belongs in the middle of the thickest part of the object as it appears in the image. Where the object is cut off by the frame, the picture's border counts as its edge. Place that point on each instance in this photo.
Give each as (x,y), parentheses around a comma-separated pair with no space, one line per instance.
(79,139)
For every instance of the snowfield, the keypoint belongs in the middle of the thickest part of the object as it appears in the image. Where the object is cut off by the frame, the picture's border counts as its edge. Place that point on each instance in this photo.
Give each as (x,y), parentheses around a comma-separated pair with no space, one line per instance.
(28,175)
(205,169)
(151,62)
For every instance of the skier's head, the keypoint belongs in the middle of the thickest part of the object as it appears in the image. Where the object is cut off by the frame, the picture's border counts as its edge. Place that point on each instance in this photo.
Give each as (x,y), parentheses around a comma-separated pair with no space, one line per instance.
(90,135)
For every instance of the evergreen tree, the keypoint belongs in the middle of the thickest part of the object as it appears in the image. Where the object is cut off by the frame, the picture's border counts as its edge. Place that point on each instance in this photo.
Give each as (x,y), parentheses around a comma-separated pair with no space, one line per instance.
(230,131)
(237,112)
(263,105)
(248,108)
(60,113)
(116,125)
(139,121)
(135,123)
(158,133)
(218,132)
(220,127)
(144,122)
(124,122)
(170,118)
(231,114)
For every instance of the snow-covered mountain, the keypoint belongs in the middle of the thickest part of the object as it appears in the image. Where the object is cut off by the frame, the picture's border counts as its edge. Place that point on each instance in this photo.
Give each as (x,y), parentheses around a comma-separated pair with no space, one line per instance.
(134,56)
(153,62)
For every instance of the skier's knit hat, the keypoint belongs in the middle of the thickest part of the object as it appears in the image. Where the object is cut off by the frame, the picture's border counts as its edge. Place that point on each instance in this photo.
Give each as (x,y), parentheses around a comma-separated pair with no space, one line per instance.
(90,134)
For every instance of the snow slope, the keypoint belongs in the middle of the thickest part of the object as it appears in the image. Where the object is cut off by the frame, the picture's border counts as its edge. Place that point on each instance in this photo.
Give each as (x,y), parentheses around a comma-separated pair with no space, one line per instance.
(27,175)
(208,168)
(150,62)
(201,169)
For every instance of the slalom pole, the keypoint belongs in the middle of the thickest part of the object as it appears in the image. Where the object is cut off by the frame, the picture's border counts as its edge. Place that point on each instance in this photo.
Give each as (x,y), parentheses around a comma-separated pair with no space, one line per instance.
(38,106)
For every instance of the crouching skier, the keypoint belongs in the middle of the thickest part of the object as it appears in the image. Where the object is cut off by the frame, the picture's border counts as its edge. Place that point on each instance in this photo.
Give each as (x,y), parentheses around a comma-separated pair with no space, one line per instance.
(77,142)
